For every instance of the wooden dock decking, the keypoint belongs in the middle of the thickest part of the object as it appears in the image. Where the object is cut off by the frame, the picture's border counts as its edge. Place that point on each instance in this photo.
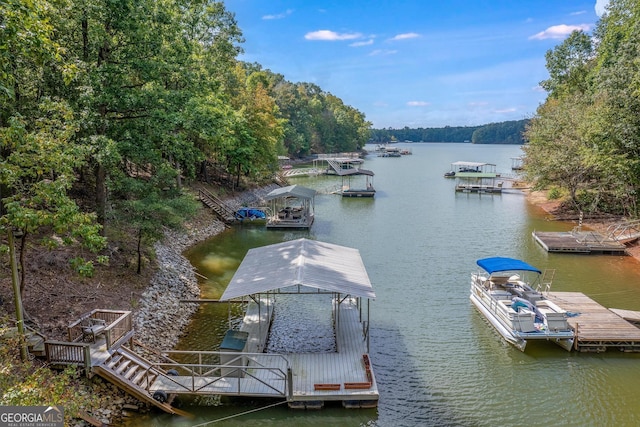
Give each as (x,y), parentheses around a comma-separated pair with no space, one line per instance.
(304,380)
(345,375)
(582,242)
(597,328)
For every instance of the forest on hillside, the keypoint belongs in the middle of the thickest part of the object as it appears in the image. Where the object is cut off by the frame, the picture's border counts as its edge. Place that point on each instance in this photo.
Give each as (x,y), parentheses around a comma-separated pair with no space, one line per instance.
(108,108)
(584,141)
(509,132)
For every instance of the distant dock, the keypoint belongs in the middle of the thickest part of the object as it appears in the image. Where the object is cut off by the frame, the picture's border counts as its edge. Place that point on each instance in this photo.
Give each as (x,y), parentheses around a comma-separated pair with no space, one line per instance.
(581,242)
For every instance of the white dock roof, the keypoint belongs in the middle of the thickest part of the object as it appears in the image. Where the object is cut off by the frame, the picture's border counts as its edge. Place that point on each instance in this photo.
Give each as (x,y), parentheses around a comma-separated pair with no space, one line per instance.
(292,191)
(310,263)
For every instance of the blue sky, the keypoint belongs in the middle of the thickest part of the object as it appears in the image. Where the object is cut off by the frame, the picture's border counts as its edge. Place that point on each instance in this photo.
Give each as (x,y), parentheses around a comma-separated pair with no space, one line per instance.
(415,63)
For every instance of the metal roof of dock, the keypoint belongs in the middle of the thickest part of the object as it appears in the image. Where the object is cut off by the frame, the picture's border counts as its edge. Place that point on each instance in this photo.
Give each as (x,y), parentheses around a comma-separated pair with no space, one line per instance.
(472,164)
(292,191)
(305,262)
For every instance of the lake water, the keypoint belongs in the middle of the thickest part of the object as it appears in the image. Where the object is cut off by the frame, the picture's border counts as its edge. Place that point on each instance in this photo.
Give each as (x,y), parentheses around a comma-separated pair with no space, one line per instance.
(437,361)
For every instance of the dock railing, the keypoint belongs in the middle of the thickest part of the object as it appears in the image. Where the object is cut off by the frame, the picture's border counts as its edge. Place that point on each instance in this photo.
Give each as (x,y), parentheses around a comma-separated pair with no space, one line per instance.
(118,326)
(68,353)
(205,368)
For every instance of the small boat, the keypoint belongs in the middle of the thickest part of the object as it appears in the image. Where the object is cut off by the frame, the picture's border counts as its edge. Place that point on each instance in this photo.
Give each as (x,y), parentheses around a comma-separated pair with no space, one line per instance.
(250,214)
(462,169)
(514,308)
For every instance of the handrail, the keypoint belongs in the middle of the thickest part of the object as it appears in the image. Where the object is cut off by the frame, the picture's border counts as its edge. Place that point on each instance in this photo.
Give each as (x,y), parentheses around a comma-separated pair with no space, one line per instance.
(68,353)
(238,367)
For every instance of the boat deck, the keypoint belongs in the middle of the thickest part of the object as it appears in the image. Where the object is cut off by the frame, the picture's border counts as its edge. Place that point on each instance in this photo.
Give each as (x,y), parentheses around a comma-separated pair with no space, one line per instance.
(584,242)
(597,328)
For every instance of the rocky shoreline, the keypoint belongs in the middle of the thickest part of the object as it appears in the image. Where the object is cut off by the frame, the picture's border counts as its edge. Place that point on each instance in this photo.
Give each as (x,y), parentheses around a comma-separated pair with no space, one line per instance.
(160,318)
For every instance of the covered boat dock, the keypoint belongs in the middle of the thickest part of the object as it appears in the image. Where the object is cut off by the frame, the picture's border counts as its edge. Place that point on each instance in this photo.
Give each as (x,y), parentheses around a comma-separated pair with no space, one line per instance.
(291,207)
(302,268)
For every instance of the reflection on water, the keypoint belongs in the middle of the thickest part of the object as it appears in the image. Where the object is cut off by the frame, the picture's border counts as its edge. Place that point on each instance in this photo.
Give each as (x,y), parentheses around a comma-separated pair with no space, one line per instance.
(436,359)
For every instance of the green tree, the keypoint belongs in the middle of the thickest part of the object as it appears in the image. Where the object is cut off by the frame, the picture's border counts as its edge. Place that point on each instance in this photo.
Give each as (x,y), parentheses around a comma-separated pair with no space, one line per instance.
(568,65)
(38,172)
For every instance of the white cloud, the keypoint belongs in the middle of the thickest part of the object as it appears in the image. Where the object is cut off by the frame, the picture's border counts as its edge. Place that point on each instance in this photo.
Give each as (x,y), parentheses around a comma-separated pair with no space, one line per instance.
(327,35)
(418,104)
(559,31)
(379,52)
(506,110)
(279,15)
(405,36)
(363,43)
(601,7)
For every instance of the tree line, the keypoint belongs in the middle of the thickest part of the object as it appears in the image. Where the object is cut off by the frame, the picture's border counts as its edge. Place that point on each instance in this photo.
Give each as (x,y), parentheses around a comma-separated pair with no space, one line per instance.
(509,132)
(106,107)
(584,140)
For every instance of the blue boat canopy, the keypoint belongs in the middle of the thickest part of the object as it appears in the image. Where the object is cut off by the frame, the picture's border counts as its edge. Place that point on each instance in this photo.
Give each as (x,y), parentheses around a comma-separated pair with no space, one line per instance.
(497,264)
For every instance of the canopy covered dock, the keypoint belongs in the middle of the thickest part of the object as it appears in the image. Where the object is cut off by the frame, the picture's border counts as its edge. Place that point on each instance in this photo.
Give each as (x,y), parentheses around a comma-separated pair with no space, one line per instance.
(306,267)
(291,207)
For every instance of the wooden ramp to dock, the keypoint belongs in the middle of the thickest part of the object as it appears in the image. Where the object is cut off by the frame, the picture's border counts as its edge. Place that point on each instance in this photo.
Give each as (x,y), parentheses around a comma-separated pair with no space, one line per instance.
(135,375)
(597,328)
(583,242)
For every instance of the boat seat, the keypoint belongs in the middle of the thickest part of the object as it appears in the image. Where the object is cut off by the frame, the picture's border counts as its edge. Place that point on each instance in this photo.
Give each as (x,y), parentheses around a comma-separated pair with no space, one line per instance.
(499,280)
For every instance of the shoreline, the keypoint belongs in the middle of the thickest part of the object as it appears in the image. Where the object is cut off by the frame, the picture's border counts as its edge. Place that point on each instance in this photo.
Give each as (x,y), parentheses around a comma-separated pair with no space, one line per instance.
(540,200)
(160,318)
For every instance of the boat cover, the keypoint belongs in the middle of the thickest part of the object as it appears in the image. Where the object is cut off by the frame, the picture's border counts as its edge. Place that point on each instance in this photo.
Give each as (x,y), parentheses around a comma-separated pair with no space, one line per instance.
(497,264)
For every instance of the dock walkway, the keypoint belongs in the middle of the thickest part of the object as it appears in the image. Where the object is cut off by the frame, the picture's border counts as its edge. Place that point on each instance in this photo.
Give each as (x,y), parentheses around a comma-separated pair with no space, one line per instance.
(597,328)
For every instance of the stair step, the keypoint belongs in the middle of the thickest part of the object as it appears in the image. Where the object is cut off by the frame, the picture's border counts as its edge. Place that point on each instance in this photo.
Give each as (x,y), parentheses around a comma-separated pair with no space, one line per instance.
(140,375)
(121,367)
(114,361)
(132,370)
(147,380)
(38,349)
(34,341)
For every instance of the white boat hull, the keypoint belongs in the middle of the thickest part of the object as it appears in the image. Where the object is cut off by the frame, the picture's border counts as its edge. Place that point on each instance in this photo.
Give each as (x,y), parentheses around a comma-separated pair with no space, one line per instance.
(516,327)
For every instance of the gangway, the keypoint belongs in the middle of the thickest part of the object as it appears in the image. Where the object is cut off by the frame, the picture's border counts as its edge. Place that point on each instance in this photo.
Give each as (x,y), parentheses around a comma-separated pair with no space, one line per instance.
(624,232)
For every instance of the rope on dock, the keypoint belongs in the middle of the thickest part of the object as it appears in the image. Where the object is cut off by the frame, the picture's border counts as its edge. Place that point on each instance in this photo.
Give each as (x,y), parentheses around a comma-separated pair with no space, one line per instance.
(239,414)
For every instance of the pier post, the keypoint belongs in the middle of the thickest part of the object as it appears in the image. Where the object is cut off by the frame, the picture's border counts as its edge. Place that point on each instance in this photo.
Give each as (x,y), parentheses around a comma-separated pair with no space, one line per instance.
(289,384)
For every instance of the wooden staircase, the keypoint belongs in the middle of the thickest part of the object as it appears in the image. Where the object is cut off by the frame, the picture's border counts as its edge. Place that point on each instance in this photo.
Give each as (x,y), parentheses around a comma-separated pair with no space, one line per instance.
(34,340)
(222,210)
(132,373)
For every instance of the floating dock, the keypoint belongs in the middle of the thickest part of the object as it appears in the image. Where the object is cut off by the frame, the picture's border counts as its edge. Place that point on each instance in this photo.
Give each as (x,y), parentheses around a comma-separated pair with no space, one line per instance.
(581,242)
(479,188)
(307,379)
(597,328)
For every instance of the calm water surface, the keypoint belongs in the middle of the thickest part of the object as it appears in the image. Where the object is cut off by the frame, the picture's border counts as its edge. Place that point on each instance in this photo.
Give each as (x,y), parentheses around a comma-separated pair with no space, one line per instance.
(437,361)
